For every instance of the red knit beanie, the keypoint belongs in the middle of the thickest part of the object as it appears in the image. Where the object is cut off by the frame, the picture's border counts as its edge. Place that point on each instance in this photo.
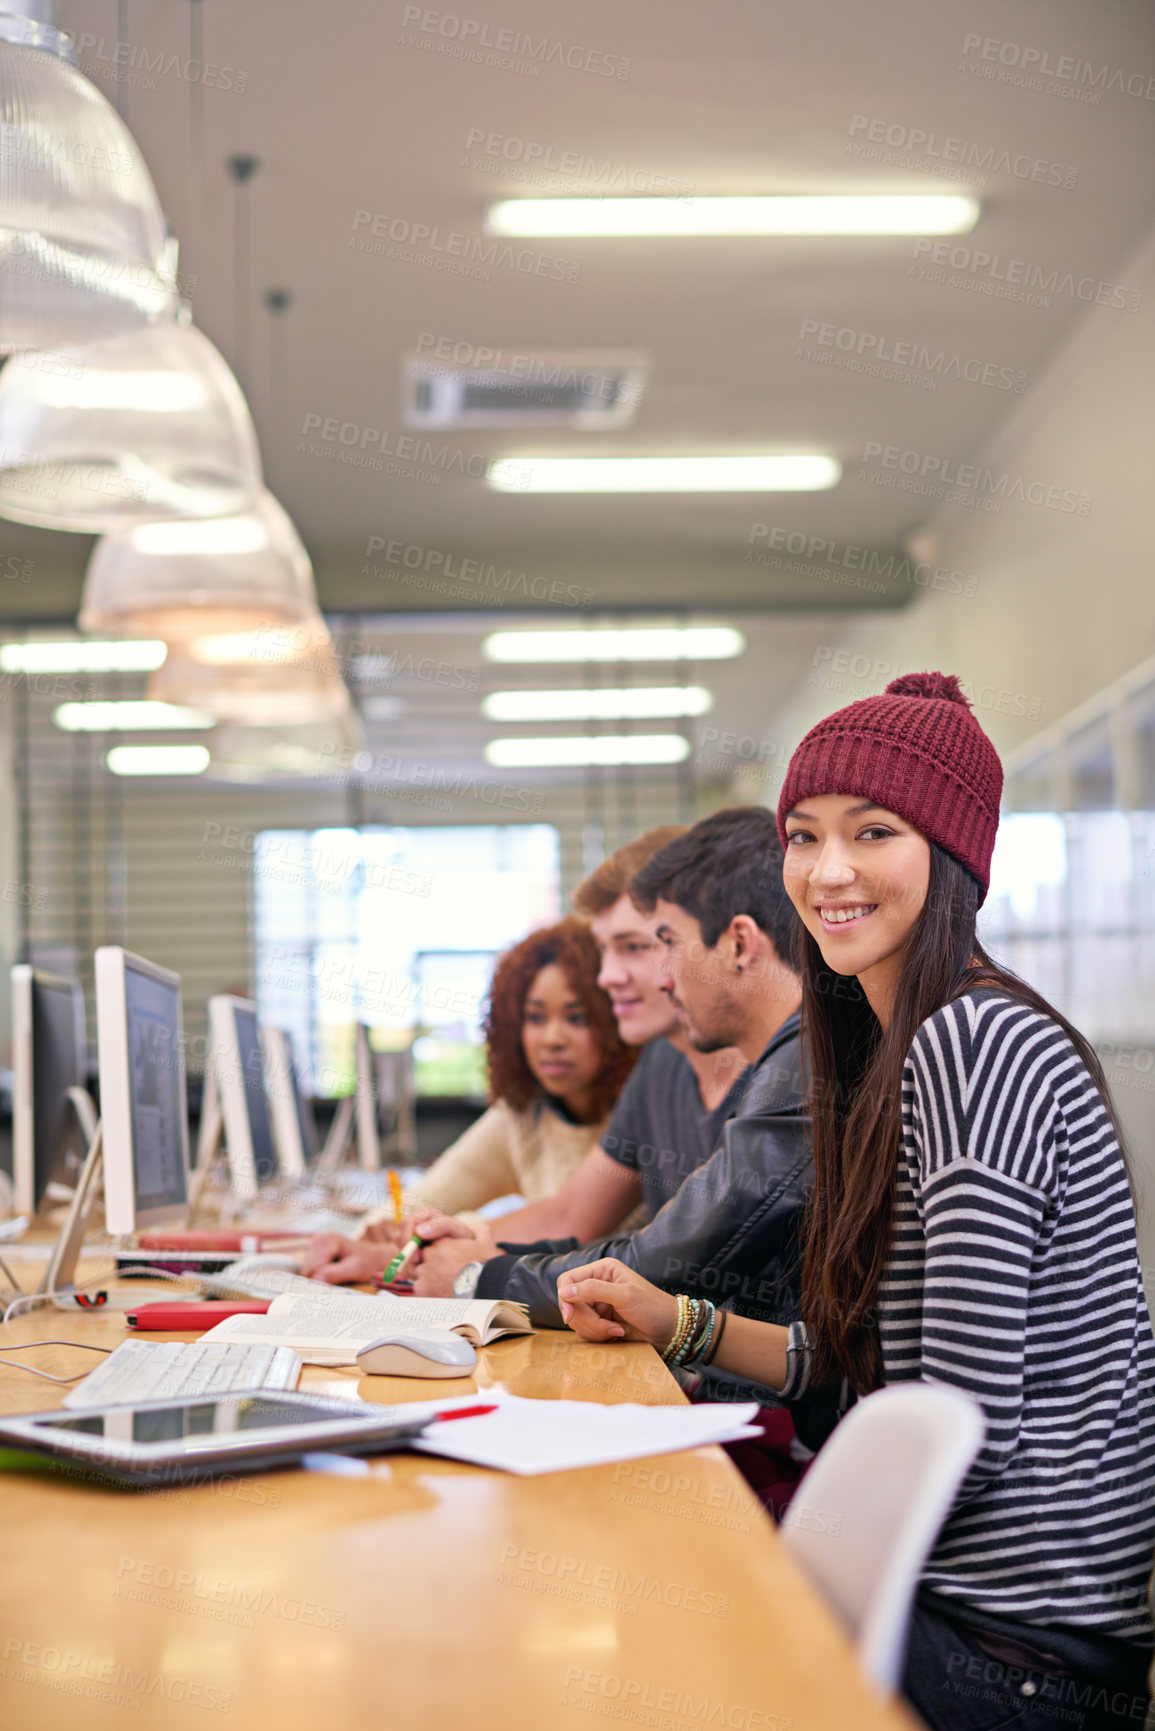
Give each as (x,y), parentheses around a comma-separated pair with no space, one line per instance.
(917,750)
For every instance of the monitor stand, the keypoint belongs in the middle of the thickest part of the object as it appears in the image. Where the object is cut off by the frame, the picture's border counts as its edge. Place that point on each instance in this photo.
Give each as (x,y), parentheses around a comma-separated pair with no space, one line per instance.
(337,1141)
(210,1144)
(59,1275)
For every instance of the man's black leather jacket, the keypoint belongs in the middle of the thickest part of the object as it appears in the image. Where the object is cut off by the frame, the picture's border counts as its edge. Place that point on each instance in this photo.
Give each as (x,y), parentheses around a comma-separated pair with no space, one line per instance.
(730,1233)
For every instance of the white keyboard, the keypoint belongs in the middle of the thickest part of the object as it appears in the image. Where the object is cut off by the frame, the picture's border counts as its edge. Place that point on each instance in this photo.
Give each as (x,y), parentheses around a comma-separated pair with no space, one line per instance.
(141,1370)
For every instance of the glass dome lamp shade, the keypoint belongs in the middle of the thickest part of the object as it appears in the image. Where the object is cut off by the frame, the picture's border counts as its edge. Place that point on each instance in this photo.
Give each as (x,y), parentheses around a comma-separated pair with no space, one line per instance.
(84,247)
(192,578)
(147,425)
(302,751)
(298,680)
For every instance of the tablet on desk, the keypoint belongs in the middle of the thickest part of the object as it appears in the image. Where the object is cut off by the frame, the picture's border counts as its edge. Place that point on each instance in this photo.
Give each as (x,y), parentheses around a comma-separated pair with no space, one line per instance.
(162,1442)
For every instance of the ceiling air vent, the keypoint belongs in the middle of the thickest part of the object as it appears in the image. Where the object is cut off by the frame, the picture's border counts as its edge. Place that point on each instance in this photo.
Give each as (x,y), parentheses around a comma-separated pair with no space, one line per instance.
(520,387)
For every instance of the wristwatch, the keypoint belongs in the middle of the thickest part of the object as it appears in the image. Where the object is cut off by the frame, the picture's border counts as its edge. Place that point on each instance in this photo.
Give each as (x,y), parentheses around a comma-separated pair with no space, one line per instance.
(466,1283)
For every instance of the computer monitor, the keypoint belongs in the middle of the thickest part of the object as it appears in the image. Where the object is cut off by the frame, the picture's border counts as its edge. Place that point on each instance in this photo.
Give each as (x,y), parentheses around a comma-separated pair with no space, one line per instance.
(238,1065)
(368,1134)
(49,1140)
(143,1101)
(294,1127)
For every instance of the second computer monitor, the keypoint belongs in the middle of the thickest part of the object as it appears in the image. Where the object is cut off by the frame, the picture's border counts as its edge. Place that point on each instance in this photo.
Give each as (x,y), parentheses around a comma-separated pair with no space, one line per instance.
(48,1059)
(368,1136)
(238,1064)
(294,1127)
(143,1104)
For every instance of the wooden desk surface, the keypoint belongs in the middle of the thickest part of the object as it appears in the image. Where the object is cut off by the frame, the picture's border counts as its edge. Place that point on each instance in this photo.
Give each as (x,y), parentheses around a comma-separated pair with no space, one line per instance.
(430,1596)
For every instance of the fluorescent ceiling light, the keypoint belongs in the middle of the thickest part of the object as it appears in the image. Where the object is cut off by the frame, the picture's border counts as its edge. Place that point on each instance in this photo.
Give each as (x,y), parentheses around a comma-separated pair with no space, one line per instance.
(837,214)
(68,656)
(578,752)
(159,759)
(129,715)
(625,703)
(631,643)
(802,473)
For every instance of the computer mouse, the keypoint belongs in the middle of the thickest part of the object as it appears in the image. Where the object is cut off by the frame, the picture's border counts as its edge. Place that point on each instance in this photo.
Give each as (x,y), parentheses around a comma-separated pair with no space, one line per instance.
(418,1352)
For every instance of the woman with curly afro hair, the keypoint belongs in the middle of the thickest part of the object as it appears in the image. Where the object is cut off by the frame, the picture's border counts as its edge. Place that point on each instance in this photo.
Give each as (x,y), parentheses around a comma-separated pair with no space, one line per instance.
(556,1067)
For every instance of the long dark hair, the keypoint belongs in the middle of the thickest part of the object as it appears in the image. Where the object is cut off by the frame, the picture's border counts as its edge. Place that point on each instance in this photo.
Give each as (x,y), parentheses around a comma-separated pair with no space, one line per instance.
(855,1086)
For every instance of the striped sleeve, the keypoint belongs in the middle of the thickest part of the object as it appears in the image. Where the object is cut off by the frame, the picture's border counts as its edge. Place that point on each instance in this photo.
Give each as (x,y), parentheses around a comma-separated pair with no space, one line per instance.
(980,1118)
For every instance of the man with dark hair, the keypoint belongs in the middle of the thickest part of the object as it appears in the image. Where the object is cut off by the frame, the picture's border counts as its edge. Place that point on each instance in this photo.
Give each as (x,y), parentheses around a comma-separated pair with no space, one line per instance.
(731,1230)
(719,868)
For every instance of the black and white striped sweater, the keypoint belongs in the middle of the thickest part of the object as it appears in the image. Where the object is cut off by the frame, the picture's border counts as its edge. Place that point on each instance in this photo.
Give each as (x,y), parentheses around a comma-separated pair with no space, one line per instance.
(1014,1275)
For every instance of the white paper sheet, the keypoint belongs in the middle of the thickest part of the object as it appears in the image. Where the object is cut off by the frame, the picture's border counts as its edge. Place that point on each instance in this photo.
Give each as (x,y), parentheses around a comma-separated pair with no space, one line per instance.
(550,1436)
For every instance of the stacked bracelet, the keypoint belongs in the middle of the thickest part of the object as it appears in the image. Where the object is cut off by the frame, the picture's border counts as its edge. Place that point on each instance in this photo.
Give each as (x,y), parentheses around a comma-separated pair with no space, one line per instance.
(687,1317)
(696,1334)
(711,1351)
(703,1332)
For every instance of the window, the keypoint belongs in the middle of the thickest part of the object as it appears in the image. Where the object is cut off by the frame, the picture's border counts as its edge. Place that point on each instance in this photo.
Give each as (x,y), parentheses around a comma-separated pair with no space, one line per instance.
(1072,909)
(398,928)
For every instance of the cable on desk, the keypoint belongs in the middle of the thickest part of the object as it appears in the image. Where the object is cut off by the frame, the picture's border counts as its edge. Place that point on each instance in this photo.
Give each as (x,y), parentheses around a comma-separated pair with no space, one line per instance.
(32,1299)
(82,1345)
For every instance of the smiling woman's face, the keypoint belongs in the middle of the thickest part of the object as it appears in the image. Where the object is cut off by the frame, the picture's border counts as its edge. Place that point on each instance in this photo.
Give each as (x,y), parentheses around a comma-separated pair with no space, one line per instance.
(858,875)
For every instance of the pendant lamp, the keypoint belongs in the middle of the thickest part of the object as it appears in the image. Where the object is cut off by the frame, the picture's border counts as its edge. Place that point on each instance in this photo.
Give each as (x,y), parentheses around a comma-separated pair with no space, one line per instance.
(271,678)
(84,248)
(191,578)
(303,751)
(147,425)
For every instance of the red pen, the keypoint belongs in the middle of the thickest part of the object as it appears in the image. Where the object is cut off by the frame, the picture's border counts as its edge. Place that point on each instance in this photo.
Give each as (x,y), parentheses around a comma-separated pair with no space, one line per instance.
(465,1412)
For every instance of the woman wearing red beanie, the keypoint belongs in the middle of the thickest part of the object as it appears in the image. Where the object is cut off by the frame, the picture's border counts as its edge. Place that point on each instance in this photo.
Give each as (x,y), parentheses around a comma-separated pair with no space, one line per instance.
(972,1224)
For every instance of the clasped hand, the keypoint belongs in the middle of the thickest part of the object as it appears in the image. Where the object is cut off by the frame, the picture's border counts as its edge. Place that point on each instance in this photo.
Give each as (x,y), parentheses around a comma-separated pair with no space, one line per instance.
(450,1245)
(605,1300)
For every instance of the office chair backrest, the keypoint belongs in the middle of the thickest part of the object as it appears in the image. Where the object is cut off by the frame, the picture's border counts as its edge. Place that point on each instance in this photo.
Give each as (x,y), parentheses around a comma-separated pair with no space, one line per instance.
(866,1516)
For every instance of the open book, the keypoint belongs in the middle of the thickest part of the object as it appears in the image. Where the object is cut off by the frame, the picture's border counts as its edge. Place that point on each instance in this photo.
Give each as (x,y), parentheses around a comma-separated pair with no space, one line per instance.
(328,1327)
